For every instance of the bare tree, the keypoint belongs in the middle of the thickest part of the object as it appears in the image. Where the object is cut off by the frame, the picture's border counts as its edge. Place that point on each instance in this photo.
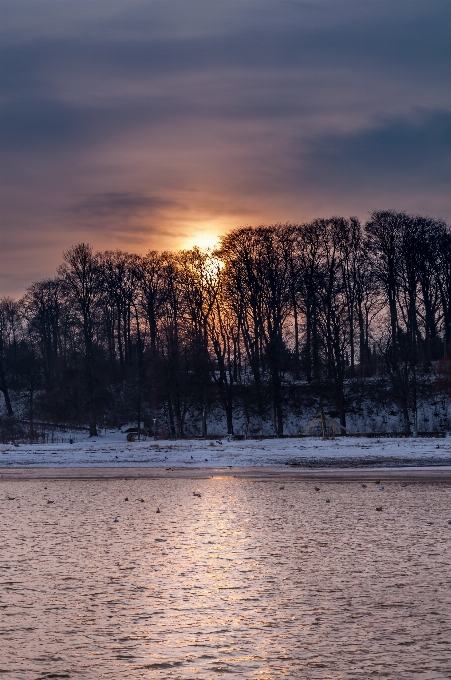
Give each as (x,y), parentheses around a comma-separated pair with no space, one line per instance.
(8,341)
(384,231)
(80,277)
(43,307)
(125,337)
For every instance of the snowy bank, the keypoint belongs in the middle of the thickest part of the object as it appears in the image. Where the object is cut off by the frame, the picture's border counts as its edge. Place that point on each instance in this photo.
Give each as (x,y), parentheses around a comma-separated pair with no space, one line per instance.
(110,451)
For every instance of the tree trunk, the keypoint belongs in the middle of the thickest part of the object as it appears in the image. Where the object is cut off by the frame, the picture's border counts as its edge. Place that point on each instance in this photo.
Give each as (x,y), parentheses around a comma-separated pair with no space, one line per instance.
(405,417)
(204,422)
(277,400)
(229,416)
(4,389)
(92,426)
(171,417)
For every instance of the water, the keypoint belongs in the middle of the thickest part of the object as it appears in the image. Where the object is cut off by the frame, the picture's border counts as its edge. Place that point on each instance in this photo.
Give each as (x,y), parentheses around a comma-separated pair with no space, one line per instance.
(247,581)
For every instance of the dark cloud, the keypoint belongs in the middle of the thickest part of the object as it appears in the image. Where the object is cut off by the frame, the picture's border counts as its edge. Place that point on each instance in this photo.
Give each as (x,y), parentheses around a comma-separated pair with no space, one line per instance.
(400,153)
(387,35)
(123,204)
(149,122)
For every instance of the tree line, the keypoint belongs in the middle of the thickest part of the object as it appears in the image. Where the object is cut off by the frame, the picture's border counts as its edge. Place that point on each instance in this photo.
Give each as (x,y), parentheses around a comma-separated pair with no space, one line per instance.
(274,315)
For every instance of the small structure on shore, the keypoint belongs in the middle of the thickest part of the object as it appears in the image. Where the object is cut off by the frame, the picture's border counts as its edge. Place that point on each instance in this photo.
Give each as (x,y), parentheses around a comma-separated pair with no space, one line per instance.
(324,426)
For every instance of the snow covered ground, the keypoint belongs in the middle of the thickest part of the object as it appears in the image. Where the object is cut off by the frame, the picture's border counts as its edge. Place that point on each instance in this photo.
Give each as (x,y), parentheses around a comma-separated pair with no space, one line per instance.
(113,450)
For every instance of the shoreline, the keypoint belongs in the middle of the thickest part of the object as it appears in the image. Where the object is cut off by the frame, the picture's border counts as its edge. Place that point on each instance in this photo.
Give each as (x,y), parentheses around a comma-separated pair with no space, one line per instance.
(255,473)
(282,454)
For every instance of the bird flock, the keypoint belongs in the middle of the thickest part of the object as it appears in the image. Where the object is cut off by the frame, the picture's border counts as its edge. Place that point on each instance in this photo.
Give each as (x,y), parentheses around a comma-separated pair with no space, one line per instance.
(197,494)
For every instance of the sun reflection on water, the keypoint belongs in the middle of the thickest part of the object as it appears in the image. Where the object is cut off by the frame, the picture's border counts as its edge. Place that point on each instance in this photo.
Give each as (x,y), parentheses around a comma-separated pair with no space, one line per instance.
(247,580)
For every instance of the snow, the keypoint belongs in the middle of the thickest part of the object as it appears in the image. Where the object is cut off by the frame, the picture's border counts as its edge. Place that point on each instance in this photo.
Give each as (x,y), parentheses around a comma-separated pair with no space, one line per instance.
(112,450)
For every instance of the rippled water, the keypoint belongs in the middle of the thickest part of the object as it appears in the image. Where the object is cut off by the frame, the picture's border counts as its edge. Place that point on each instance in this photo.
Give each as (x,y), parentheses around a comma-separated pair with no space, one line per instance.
(250,580)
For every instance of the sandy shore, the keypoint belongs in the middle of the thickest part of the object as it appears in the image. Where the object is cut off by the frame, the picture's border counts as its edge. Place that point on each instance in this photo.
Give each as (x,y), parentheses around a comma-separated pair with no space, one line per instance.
(255,473)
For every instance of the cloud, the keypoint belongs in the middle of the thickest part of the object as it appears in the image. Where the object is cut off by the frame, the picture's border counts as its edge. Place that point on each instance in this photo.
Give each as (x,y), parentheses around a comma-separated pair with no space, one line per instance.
(398,153)
(123,204)
(147,121)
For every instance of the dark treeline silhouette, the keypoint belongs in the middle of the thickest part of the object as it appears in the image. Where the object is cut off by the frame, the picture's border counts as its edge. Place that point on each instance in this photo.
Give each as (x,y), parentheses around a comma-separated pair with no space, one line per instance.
(326,313)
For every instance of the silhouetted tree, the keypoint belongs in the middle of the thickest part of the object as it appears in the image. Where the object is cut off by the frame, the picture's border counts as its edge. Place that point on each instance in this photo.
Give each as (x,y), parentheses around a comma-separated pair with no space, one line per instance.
(80,277)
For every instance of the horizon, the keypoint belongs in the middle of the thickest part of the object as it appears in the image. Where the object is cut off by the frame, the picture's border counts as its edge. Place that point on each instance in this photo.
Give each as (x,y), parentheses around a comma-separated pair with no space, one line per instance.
(210,245)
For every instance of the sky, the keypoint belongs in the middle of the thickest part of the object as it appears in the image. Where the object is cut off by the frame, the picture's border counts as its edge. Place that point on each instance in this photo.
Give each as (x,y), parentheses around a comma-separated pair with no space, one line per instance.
(160,124)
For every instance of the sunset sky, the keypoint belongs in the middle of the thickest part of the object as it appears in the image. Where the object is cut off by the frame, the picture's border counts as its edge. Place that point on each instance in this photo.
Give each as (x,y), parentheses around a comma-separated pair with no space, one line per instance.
(161,124)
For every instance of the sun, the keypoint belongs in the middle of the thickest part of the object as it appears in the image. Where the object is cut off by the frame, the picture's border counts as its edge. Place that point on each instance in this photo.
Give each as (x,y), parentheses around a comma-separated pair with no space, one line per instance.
(206,240)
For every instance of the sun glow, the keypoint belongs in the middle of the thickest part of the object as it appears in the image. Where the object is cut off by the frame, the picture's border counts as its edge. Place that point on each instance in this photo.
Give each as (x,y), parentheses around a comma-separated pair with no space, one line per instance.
(203,239)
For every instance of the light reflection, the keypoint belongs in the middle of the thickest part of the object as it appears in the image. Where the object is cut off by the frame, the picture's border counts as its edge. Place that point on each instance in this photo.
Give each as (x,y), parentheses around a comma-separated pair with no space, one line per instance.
(218,595)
